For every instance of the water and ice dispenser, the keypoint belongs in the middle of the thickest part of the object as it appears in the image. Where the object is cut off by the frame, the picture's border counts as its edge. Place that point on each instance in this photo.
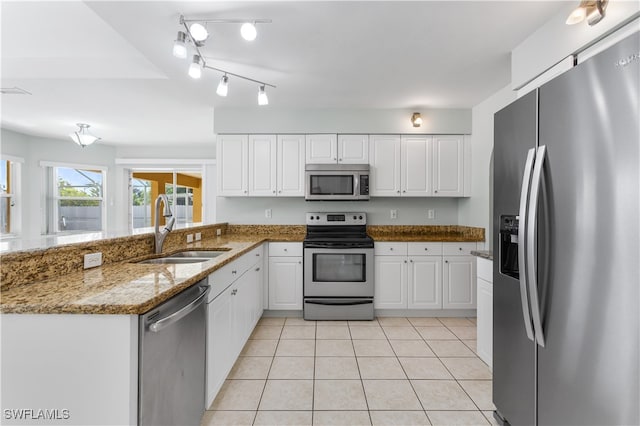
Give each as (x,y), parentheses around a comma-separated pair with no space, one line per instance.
(509,246)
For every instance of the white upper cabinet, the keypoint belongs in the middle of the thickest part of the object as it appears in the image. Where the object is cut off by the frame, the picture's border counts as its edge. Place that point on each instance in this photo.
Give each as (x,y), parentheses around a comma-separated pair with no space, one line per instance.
(262,165)
(337,149)
(321,149)
(290,165)
(353,149)
(415,166)
(232,154)
(449,161)
(384,161)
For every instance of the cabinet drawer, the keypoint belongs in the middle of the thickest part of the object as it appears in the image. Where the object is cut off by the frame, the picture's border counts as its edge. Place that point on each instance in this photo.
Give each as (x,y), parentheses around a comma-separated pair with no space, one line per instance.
(485,269)
(425,249)
(458,249)
(285,249)
(390,249)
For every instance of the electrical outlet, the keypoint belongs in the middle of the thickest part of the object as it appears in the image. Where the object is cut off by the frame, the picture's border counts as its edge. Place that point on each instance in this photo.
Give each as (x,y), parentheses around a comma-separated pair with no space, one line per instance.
(92,260)
(218,232)
(394,214)
(267,213)
(189,238)
(198,236)
(431,214)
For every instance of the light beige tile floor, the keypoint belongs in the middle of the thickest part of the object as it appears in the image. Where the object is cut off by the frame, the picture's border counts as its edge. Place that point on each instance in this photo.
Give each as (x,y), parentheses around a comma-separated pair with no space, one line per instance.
(390,371)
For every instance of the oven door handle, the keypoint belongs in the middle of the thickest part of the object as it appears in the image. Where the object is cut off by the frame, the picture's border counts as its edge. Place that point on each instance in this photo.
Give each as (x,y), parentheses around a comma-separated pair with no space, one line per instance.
(337,246)
(338,302)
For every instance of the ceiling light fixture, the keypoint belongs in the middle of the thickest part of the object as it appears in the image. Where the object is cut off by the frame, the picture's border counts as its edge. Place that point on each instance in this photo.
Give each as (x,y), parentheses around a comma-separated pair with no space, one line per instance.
(195,69)
(262,96)
(248,31)
(416,119)
(180,45)
(196,33)
(223,86)
(82,137)
(592,10)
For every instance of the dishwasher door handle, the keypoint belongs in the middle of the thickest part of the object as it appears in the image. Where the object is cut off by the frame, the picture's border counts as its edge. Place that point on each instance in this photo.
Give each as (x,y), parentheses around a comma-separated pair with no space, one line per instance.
(181,313)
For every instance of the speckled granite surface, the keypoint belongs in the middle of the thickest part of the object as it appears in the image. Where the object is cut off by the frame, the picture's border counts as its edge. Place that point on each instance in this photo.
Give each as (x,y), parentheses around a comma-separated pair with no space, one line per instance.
(445,233)
(486,254)
(52,281)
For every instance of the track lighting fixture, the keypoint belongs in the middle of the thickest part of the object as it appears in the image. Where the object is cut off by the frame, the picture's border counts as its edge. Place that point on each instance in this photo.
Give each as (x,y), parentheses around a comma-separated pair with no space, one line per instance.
(82,136)
(248,31)
(416,119)
(223,86)
(593,11)
(180,45)
(195,69)
(262,96)
(195,32)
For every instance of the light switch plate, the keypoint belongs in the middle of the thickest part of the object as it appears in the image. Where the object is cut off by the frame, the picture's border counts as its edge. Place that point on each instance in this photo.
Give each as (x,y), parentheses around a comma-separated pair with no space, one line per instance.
(394,214)
(189,238)
(198,236)
(92,260)
(267,213)
(431,214)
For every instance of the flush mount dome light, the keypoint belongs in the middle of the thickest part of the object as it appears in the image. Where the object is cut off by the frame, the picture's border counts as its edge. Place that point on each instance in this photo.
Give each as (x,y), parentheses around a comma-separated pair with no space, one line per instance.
(82,136)
(198,32)
(248,31)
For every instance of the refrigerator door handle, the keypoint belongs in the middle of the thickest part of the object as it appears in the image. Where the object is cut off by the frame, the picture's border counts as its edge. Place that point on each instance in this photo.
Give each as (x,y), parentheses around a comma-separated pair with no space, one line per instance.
(532,229)
(524,197)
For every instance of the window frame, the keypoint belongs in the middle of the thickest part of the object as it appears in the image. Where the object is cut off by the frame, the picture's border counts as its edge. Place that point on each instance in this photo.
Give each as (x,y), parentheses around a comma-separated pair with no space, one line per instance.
(15,210)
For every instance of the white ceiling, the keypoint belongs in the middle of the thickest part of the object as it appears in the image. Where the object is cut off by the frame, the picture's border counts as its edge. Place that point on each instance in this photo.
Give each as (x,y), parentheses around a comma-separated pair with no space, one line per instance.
(109,63)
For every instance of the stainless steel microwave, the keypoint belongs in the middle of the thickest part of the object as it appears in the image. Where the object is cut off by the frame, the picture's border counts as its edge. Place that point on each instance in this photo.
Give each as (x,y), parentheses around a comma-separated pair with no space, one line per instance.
(337,182)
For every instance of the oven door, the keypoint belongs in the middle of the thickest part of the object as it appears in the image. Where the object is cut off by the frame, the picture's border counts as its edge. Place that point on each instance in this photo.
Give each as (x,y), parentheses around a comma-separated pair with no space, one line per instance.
(338,272)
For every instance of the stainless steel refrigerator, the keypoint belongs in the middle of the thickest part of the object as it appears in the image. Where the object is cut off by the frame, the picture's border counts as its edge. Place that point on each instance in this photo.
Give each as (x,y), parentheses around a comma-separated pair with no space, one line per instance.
(566,258)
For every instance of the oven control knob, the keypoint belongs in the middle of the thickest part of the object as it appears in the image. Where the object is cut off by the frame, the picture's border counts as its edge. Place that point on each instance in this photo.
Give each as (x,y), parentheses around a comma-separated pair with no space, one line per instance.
(317,217)
(354,218)
(360,217)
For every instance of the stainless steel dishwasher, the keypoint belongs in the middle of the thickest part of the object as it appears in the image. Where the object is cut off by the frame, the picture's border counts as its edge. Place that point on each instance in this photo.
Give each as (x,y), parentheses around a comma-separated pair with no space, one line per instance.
(171,370)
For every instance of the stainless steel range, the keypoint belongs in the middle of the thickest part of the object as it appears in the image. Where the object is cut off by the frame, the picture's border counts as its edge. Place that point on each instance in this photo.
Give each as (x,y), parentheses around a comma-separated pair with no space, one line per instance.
(338,267)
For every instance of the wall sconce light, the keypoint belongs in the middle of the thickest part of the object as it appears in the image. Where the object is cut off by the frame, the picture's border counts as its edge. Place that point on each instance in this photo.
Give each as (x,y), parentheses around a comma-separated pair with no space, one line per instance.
(592,10)
(82,137)
(416,119)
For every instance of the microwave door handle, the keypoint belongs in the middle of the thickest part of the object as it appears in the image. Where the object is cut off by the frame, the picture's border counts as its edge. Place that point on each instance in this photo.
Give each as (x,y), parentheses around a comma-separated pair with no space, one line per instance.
(356,184)
(522,220)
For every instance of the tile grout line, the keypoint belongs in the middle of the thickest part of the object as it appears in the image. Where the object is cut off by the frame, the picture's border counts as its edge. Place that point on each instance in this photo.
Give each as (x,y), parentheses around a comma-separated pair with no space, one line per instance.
(268,372)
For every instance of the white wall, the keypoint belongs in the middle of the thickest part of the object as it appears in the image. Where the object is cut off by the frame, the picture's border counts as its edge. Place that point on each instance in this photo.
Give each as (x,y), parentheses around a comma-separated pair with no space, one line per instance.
(299,120)
(475,211)
(291,211)
(36,149)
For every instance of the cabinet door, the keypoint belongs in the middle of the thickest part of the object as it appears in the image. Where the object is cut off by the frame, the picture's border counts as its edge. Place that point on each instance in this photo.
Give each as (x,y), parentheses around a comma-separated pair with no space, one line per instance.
(391,282)
(353,149)
(290,166)
(285,283)
(415,166)
(262,165)
(219,333)
(448,162)
(232,160)
(241,318)
(384,161)
(485,321)
(257,283)
(425,282)
(459,282)
(321,149)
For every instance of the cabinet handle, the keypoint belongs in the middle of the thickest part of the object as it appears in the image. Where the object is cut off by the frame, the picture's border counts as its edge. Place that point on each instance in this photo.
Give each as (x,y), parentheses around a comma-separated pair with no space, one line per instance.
(257,269)
(245,191)
(404,190)
(299,262)
(258,254)
(391,248)
(286,249)
(426,249)
(460,248)
(411,260)
(339,159)
(334,159)
(436,191)
(405,261)
(280,192)
(398,191)
(234,272)
(274,191)
(446,261)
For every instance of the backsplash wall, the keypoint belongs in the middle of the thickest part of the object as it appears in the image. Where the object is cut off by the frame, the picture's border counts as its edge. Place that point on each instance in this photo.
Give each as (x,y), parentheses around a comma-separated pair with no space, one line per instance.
(291,211)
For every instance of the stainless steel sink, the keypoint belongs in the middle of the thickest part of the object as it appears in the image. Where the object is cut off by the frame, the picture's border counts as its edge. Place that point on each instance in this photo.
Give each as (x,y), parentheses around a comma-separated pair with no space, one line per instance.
(174,260)
(208,254)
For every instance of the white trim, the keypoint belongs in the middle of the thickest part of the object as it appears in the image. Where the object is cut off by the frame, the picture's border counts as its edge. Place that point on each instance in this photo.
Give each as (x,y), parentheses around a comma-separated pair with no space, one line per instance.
(610,40)
(73,165)
(163,161)
(11,158)
(564,65)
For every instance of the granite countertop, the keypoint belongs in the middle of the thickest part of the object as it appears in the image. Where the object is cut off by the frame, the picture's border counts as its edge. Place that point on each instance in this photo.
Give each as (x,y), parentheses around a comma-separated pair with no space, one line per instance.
(485,254)
(127,288)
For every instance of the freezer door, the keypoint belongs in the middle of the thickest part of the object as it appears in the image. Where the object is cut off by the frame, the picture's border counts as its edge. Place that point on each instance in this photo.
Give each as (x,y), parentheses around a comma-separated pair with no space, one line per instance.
(588,369)
(513,353)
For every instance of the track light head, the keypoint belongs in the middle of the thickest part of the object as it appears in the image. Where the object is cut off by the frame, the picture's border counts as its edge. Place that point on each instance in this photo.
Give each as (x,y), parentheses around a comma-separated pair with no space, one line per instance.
(198,32)
(248,31)
(262,96)
(416,119)
(180,45)
(195,69)
(223,86)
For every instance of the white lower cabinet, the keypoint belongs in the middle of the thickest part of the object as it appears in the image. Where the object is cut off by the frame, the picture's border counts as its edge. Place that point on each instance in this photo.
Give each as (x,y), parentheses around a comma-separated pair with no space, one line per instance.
(285,283)
(232,315)
(485,311)
(407,278)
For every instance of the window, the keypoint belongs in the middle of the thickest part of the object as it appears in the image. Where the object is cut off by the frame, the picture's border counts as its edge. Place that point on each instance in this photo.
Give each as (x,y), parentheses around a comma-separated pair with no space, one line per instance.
(77,201)
(9,193)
